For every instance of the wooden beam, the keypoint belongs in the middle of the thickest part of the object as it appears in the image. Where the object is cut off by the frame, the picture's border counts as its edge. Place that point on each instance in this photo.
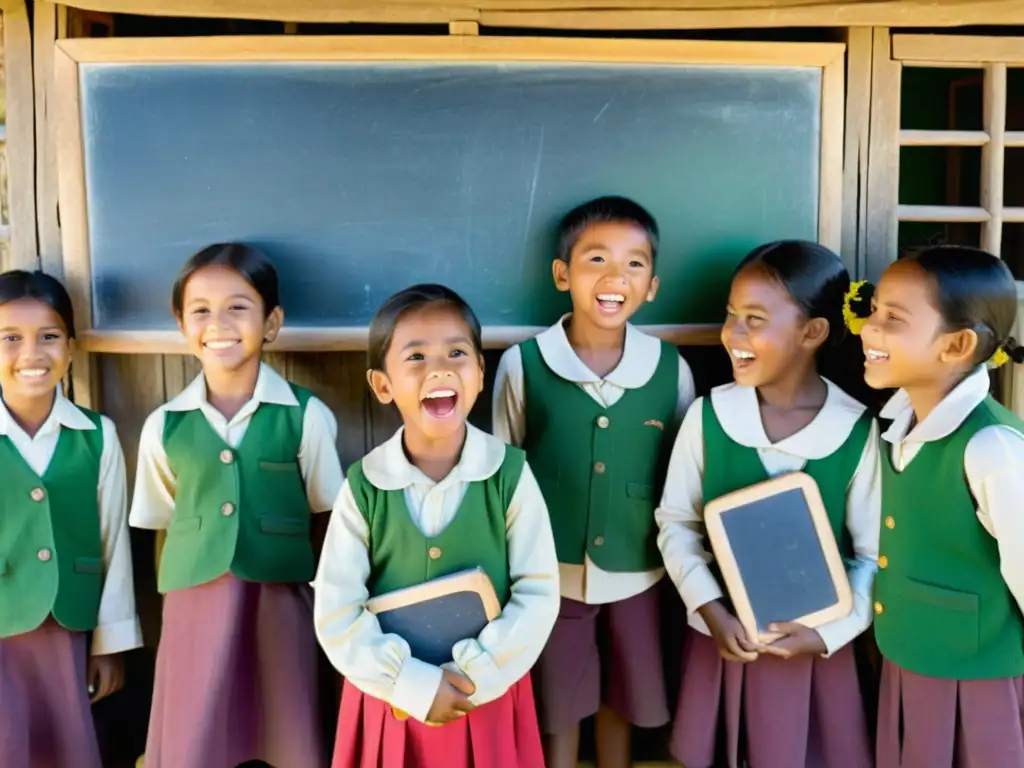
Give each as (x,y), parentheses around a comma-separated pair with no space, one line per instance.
(883,159)
(594,14)
(955,49)
(859,46)
(45,32)
(830,196)
(21,139)
(1013,215)
(992,157)
(355,339)
(918,138)
(948,214)
(463,28)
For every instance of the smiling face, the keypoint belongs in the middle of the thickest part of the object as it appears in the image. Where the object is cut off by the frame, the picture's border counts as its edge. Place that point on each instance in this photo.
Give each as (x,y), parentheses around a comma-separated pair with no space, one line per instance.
(432,372)
(35,350)
(610,274)
(766,332)
(903,340)
(223,319)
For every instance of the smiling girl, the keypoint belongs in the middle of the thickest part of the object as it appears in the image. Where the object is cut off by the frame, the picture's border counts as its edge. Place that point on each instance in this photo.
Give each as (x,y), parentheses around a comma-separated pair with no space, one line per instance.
(439,497)
(797,701)
(65,555)
(232,468)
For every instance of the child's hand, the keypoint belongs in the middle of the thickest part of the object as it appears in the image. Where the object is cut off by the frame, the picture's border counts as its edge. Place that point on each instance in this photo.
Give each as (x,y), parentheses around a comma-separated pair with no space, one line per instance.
(104,676)
(729,635)
(452,698)
(796,640)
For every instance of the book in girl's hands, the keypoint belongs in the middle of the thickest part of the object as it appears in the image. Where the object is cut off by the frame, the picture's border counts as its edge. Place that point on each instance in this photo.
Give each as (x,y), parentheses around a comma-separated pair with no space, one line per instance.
(433,616)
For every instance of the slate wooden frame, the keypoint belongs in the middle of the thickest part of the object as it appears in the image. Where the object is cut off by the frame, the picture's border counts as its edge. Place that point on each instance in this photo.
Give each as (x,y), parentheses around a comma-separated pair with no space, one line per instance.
(726,559)
(475,581)
(69,53)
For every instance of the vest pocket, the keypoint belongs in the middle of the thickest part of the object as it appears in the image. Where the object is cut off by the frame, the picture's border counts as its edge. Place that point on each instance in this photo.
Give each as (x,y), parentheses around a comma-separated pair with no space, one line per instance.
(279,466)
(92,565)
(283,526)
(951,613)
(185,524)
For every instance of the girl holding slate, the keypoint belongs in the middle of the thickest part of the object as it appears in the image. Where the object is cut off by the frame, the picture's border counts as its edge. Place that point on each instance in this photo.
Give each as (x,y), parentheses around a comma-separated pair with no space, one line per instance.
(65,553)
(795,702)
(950,587)
(437,499)
(232,468)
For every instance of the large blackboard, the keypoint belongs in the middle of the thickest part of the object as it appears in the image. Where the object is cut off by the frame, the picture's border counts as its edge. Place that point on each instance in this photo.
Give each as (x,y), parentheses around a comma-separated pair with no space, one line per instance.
(359,178)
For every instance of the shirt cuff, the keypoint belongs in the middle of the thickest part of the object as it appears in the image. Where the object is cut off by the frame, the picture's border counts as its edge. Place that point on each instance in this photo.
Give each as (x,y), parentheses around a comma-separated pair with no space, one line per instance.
(480,668)
(415,688)
(699,588)
(117,637)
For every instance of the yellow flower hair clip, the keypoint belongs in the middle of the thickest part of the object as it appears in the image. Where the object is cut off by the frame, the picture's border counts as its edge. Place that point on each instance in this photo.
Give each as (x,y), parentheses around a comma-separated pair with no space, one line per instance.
(857,305)
(999,358)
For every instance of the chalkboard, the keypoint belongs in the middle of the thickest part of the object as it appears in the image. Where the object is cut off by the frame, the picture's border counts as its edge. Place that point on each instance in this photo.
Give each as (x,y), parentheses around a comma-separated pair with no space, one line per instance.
(778,555)
(361,178)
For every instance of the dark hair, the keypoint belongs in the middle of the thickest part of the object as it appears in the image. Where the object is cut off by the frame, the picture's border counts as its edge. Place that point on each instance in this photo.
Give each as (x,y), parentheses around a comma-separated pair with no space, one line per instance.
(601,211)
(247,261)
(19,284)
(382,327)
(973,290)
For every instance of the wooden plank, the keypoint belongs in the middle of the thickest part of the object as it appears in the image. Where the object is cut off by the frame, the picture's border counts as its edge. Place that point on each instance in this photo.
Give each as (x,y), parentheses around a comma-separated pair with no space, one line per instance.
(1013,215)
(919,138)
(21,139)
(954,49)
(859,46)
(1013,139)
(170,342)
(449,47)
(45,34)
(949,214)
(883,159)
(992,157)
(463,28)
(830,196)
(594,14)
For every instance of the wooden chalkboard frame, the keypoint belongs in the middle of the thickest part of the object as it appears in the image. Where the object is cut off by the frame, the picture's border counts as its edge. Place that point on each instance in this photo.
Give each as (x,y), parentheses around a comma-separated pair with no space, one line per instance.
(829,57)
(472,581)
(726,558)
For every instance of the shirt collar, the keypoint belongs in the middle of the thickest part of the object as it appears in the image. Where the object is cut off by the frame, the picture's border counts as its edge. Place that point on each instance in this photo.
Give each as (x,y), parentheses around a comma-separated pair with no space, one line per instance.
(271,388)
(640,356)
(63,414)
(739,414)
(949,414)
(388,468)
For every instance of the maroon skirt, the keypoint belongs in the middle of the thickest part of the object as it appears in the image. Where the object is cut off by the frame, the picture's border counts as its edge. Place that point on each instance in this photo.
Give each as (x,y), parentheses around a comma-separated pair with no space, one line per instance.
(929,722)
(774,713)
(236,678)
(500,734)
(45,718)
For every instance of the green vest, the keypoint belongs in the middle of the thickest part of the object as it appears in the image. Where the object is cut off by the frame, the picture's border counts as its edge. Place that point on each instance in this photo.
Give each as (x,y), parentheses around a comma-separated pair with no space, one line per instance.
(401,556)
(729,466)
(942,606)
(239,510)
(51,554)
(600,469)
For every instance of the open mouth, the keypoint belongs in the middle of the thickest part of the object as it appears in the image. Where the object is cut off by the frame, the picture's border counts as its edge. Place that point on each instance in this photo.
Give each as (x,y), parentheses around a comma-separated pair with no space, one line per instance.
(610,302)
(219,345)
(33,373)
(875,356)
(440,404)
(741,358)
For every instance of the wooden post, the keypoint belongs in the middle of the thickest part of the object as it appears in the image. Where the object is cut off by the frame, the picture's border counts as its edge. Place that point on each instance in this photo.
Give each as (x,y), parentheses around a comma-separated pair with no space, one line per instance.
(21,140)
(883,159)
(48,26)
(992,157)
(859,52)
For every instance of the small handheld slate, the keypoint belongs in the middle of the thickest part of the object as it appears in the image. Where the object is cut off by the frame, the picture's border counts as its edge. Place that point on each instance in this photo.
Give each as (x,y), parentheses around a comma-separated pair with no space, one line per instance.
(433,616)
(778,556)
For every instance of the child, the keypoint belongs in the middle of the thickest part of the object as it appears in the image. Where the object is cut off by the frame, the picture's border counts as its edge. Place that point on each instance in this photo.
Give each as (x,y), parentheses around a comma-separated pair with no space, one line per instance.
(439,497)
(595,402)
(65,554)
(231,468)
(950,585)
(797,701)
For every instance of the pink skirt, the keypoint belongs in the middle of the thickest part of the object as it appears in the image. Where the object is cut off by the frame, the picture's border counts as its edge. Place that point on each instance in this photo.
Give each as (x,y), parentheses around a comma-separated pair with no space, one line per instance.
(236,678)
(45,718)
(500,734)
(788,713)
(947,723)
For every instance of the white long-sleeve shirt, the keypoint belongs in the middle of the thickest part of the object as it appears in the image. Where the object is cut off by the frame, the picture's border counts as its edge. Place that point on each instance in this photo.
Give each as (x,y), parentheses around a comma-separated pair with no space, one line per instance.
(641,353)
(117,626)
(680,515)
(381,665)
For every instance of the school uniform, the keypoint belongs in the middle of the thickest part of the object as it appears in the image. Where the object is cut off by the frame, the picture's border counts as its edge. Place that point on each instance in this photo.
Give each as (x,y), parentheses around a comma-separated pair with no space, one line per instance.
(805,711)
(236,666)
(951,583)
(65,571)
(394,527)
(599,448)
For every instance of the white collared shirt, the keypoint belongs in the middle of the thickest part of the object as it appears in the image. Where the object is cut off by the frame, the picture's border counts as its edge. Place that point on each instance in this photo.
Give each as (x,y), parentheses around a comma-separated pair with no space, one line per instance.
(993,464)
(117,626)
(640,356)
(680,515)
(156,485)
(381,665)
